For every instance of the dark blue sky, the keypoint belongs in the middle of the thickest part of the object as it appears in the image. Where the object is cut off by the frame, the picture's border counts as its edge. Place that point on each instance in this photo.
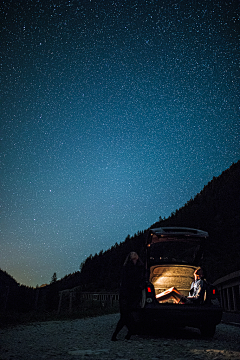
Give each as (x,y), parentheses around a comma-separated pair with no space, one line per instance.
(113,113)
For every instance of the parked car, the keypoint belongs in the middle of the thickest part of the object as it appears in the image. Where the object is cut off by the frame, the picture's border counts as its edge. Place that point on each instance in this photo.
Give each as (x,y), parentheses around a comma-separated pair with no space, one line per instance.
(173,254)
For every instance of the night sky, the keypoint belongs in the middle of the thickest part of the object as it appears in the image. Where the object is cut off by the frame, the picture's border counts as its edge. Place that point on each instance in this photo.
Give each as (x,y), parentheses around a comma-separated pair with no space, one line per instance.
(113,113)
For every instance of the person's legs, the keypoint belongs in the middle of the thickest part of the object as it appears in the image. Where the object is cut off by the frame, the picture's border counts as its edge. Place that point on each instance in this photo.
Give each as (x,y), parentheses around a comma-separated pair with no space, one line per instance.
(171,293)
(119,327)
(129,322)
(177,295)
(125,320)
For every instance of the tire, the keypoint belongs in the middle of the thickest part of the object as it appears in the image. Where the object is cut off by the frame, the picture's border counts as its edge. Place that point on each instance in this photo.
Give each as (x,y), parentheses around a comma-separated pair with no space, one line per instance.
(208,330)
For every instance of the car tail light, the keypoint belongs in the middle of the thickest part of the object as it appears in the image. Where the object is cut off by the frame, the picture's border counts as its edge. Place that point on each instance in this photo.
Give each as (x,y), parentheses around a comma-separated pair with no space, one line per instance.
(214,291)
(149,290)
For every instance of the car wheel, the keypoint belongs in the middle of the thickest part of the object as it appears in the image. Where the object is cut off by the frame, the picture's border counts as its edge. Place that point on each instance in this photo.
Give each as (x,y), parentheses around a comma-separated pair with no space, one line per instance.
(208,330)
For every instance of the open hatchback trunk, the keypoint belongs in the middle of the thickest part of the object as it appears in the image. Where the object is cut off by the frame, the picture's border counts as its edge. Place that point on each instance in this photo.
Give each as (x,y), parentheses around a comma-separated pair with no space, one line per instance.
(173,254)
(164,277)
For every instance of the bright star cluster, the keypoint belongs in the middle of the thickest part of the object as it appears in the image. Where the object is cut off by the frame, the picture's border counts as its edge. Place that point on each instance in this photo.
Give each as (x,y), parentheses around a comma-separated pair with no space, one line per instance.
(113,113)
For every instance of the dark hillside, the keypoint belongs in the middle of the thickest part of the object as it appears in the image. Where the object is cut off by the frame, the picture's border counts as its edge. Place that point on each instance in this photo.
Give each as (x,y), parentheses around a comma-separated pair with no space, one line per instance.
(6,280)
(215,209)
(13,296)
(103,270)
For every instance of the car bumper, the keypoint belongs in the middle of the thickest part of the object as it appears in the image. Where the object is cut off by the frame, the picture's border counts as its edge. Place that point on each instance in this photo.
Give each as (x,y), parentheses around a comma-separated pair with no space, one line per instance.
(180,315)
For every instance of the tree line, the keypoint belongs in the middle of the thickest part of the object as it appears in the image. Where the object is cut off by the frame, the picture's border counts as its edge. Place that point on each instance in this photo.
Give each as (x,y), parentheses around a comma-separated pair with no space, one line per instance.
(216,209)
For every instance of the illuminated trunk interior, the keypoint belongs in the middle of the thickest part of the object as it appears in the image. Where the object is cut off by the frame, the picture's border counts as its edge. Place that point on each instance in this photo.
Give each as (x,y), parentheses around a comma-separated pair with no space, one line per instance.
(164,277)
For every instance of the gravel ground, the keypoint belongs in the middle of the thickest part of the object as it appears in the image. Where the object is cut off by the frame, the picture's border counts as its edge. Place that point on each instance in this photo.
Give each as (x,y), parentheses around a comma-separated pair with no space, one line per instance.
(90,339)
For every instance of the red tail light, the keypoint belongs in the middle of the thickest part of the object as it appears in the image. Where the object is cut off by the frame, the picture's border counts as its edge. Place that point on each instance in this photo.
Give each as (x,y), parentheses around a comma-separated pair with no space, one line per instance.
(149,290)
(214,291)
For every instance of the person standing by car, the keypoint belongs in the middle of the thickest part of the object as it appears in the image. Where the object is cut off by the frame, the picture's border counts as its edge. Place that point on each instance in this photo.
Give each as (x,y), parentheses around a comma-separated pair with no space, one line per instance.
(132,283)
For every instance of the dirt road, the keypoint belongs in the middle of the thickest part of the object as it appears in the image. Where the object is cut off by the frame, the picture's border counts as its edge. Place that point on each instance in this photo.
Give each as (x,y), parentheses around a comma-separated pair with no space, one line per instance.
(90,339)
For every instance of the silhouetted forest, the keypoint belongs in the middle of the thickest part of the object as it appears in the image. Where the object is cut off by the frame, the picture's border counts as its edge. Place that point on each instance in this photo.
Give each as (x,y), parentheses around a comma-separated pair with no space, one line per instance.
(14,296)
(216,209)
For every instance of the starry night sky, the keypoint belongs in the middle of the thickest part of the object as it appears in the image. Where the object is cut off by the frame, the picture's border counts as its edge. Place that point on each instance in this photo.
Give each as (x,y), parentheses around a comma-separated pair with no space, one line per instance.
(113,113)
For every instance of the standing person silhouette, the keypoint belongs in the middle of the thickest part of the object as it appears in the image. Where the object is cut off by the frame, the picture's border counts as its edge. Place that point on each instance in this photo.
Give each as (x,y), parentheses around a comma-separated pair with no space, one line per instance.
(130,293)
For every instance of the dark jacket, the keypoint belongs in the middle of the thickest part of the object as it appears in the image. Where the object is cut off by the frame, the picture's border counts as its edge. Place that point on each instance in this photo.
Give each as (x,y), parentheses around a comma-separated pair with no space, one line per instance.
(132,283)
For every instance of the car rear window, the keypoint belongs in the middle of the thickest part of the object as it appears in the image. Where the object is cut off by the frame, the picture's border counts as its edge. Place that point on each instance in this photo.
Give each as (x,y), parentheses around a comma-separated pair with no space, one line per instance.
(178,252)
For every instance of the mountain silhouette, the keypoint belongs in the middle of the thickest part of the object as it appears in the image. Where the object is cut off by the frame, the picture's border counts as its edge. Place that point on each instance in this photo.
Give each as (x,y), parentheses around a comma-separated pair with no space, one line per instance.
(216,209)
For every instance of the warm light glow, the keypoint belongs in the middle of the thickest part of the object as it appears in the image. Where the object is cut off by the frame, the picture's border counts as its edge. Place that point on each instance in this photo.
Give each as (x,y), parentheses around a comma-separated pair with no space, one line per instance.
(165,276)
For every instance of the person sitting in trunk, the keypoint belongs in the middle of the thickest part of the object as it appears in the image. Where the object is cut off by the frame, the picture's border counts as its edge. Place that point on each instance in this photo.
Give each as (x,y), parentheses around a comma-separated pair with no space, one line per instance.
(196,293)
